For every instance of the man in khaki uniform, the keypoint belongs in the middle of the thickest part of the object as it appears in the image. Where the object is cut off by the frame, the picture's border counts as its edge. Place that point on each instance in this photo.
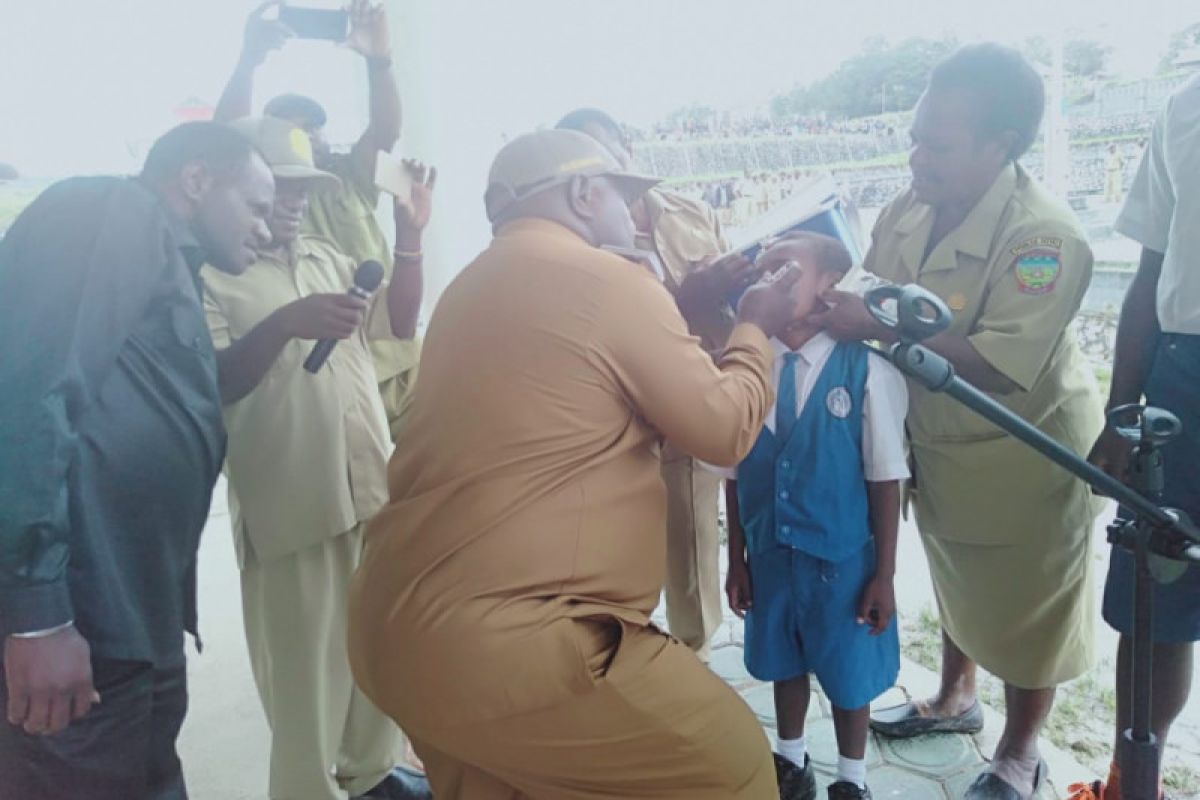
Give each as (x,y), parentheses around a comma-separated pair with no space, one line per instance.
(343,213)
(306,465)
(501,612)
(1007,533)
(684,233)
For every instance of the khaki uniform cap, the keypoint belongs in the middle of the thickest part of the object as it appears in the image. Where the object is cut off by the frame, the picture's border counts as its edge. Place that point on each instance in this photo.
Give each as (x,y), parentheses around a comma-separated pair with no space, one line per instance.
(286,149)
(534,162)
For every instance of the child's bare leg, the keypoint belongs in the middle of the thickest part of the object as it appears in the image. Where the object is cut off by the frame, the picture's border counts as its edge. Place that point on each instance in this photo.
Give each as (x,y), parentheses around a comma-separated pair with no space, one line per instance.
(791,706)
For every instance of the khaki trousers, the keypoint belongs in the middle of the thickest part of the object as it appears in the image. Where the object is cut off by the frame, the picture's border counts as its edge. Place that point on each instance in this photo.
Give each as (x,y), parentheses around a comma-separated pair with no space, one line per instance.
(693,550)
(657,725)
(327,739)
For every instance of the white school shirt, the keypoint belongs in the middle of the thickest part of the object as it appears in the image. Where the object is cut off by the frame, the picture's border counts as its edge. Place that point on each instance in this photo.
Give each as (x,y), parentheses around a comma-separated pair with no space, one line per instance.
(1162,210)
(885,405)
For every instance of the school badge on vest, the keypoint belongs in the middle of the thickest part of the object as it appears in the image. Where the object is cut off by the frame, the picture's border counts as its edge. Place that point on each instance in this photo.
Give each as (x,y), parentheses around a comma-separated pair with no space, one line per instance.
(838,402)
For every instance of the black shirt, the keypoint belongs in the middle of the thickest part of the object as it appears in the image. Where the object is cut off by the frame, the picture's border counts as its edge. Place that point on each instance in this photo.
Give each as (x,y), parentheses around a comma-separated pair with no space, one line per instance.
(110,419)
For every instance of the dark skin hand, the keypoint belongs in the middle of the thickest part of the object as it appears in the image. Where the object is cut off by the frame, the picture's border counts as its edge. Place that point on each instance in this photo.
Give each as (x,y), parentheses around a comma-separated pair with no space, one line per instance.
(712,282)
(878,603)
(49,681)
(768,304)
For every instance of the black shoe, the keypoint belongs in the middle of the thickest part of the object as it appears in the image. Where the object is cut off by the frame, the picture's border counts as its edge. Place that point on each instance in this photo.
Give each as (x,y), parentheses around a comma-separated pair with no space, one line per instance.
(845,790)
(989,786)
(795,783)
(905,721)
(400,784)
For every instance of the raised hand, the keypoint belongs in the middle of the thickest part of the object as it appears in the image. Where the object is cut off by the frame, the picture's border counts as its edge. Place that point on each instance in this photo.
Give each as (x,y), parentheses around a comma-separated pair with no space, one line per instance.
(262,36)
(369,34)
(412,212)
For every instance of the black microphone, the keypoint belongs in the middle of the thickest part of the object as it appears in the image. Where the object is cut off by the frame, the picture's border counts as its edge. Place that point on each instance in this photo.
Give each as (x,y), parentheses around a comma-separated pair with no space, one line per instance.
(367,278)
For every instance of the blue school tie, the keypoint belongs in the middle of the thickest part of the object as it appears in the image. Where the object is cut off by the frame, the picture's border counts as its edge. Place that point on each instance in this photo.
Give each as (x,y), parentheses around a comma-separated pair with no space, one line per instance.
(785,400)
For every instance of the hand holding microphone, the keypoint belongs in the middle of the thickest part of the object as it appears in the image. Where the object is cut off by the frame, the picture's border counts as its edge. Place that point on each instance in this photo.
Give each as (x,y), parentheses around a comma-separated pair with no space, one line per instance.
(330,317)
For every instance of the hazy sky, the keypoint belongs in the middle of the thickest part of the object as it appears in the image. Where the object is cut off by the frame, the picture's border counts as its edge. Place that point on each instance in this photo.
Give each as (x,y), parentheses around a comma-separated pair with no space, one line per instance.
(82,78)
(85,85)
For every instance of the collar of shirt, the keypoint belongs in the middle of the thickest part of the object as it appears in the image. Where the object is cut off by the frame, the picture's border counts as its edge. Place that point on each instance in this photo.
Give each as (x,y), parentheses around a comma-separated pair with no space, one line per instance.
(540,227)
(972,237)
(659,202)
(288,255)
(813,355)
(812,351)
(189,246)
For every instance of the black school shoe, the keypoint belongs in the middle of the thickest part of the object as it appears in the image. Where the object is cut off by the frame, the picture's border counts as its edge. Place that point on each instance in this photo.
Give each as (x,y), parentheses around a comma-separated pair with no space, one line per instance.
(845,790)
(795,783)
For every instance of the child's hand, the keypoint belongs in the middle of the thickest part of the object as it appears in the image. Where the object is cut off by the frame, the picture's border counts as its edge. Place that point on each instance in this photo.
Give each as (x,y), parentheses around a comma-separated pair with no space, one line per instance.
(878,605)
(737,588)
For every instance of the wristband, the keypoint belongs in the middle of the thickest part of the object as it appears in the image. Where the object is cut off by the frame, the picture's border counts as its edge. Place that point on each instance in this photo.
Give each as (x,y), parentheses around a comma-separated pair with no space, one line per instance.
(407,255)
(43,634)
(379,63)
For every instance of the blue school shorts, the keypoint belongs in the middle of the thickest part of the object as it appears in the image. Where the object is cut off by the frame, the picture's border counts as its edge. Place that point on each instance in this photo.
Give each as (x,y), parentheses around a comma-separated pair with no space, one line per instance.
(1173,384)
(803,619)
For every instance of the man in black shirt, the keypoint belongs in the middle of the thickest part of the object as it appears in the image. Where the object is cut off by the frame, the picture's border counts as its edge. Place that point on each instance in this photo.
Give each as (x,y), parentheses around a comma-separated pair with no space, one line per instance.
(110,443)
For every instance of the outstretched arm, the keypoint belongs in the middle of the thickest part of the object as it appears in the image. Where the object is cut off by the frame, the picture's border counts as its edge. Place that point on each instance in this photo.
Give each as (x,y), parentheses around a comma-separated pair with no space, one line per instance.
(260,38)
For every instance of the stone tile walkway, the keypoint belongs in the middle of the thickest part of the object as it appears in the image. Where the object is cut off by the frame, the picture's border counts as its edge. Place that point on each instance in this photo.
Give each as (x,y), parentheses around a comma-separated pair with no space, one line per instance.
(935,767)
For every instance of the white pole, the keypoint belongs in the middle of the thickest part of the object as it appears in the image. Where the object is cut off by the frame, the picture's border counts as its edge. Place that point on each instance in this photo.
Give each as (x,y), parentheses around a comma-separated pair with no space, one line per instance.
(1056,154)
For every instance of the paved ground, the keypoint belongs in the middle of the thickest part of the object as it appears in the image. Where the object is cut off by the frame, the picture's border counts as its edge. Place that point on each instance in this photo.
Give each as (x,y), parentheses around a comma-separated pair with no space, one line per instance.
(225,738)
(927,768)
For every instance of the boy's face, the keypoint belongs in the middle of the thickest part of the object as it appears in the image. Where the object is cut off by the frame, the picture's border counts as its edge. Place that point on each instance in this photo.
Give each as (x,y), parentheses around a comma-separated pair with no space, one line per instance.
(806,292)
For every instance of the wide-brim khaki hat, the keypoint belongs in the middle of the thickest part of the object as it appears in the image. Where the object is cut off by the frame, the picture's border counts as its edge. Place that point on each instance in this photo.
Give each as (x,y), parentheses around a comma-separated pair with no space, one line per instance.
(536,161)
(286,149)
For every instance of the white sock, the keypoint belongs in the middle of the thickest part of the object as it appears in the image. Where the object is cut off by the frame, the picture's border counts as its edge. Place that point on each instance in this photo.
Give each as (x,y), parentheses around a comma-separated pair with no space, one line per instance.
(794,750)
(852,770)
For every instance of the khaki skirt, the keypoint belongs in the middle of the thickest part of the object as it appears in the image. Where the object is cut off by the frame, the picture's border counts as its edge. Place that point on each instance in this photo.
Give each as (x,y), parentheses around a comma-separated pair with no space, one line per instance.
(1025,612)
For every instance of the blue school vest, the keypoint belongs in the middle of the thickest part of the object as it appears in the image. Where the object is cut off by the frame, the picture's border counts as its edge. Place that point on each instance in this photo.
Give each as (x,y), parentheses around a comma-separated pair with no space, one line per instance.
(809,492)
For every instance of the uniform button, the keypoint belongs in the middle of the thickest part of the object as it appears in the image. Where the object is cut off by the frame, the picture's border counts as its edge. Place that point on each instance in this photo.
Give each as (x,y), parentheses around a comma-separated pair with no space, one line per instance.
(783,494)
(785,464)
(786,529)
(196,342)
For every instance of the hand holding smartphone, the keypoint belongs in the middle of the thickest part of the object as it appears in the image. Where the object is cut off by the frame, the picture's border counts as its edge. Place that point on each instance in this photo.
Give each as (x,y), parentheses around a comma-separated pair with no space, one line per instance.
(330,24)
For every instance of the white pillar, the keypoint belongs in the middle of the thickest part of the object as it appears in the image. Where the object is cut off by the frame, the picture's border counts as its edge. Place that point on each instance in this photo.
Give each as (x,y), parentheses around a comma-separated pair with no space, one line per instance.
(440,129)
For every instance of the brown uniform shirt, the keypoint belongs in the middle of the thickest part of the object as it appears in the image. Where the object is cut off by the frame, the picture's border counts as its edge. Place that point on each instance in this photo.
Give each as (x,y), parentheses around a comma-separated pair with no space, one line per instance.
(528,491)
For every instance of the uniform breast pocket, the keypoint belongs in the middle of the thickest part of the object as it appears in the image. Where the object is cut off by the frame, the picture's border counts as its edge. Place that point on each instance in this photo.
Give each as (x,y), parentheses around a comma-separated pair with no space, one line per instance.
(189,330)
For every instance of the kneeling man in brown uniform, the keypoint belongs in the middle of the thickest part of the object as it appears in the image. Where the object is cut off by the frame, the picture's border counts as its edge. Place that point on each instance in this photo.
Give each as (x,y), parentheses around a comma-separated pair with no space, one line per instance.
(501,612)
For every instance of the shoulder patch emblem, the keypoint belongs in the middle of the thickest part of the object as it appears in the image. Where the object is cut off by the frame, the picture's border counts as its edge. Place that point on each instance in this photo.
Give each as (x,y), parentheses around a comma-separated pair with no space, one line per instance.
(1037,264)
(838,402)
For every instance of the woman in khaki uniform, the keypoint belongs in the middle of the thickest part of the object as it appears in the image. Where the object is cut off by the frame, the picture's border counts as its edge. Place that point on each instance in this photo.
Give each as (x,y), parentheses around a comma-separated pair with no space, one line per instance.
(1006,532)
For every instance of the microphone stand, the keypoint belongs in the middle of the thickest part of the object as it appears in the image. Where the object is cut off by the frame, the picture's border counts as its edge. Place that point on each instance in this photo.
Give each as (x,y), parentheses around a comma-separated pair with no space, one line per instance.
(1151,532)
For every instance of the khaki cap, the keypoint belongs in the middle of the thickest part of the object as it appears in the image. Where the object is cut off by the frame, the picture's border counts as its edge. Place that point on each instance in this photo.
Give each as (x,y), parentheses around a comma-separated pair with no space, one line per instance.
(286,149)
(536,161)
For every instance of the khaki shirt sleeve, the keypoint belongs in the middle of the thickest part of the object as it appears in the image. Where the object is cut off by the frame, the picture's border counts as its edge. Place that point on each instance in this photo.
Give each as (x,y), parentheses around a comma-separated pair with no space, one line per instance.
(218,324)
(711,411)
(1034,295)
